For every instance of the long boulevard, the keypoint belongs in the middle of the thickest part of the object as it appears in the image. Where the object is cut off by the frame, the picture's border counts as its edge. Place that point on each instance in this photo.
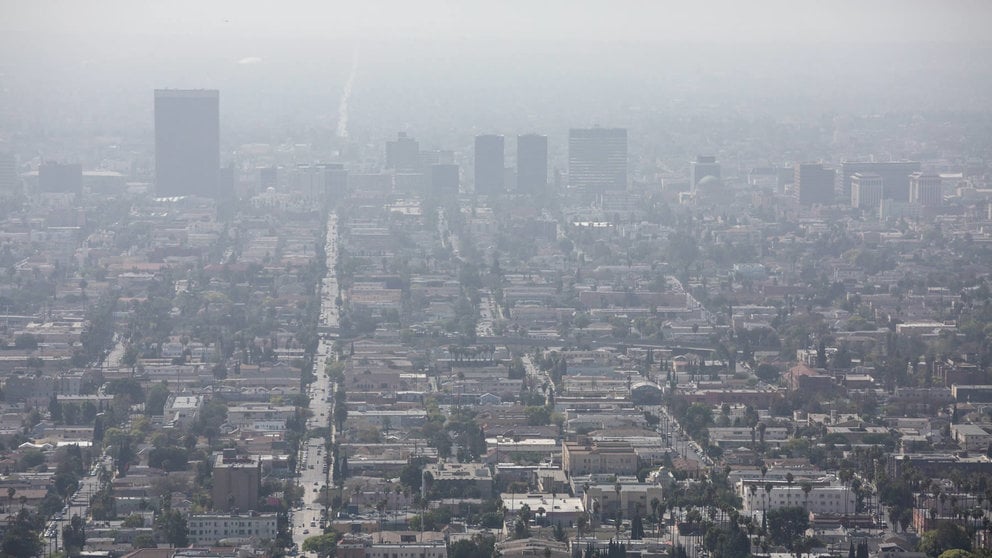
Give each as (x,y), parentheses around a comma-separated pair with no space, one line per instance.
(314,460)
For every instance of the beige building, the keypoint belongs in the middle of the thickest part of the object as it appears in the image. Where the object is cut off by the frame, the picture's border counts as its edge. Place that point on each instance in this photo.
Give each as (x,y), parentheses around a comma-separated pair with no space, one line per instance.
(632,498)
(971,437)
(822,499)
(585,458)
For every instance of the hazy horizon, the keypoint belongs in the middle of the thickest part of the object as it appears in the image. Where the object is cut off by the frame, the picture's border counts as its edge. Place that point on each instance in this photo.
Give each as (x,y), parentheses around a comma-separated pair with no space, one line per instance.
(446,70)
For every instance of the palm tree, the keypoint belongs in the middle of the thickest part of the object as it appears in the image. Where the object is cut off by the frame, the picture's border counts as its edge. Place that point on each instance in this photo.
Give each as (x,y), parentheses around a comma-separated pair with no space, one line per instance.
(789,478)
(661,517)
(617,488)
(580,526)
(764,511)
(845,477)
(807,488)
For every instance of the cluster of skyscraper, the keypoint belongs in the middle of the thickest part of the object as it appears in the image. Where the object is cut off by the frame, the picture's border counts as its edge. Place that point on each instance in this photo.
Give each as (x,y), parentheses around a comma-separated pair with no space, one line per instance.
(187,155)
(187,162)
(867,184)
(597,161)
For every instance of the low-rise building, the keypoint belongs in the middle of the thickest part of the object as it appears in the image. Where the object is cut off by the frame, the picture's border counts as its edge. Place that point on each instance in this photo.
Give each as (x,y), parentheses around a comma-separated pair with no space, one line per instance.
(182,410)
(971,437)
(586,457)
(231,528)
(555,509)
(821,499)
(458,479)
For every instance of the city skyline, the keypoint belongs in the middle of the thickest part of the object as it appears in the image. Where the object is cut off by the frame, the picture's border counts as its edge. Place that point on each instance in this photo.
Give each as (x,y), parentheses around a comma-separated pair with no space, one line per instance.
(456,279)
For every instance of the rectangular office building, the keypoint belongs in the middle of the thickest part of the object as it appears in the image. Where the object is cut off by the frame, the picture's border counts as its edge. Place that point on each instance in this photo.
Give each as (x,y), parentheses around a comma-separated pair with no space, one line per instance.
(597,159)
(187,142)
(532,163)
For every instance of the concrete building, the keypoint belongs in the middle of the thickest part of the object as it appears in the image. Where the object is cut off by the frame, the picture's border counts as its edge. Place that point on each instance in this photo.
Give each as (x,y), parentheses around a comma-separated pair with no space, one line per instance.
(403,154)
(925,189)
(895,177)
(354,545)
(866,191)
(703,166)
(584,458)
(559,508)
(597,159)
(10,182)
(244,416)
(813,184)
(822,498)
(231,528)
(187,142)
(532,163)
(467,480)
(733,437)
(632,498)
(237,479)
(489,163)
(971,437)
(182,410)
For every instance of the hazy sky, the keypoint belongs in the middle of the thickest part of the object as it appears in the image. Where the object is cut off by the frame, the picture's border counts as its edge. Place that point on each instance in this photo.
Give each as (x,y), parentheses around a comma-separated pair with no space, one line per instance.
(706,20)
(464,66)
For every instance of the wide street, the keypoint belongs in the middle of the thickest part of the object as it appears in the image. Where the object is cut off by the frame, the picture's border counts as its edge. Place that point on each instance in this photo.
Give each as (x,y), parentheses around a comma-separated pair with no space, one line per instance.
(314,461)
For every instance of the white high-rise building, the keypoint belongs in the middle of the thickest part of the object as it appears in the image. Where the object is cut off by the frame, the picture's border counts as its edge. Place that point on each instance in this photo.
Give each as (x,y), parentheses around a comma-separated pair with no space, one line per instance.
(597,159)
(866,191)
(925,189)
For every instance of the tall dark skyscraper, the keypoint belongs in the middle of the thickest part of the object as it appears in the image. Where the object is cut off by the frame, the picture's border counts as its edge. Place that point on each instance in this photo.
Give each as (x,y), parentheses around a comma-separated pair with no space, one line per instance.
(489,165)
(187,142)
(814,184)
(532,163)
(597,159)
(403,154)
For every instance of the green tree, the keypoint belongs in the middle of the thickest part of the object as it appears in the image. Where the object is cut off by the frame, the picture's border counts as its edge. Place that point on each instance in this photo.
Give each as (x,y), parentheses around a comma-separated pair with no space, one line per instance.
(171,527)
(144,540)
(538,416)
(946,536)
(479,546)
(158,395)
(637,528)
(412,474)
(726,541)
(321,545)
(102,505)
(170,458)
(786,526)
(21,538)
(74,536)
